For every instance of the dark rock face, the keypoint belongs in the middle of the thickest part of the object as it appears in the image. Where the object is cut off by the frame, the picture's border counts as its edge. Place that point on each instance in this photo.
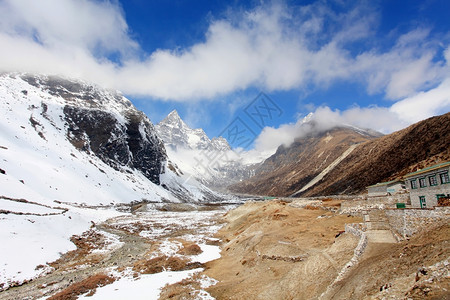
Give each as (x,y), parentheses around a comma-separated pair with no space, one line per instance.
(104,123)
(132,145)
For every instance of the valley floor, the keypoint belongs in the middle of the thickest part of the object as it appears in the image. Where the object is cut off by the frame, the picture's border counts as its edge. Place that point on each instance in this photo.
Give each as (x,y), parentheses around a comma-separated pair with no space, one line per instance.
(259,250)
(132,255)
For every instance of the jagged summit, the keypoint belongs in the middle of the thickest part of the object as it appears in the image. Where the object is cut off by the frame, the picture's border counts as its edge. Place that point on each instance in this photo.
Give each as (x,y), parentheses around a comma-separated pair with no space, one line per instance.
(210,161)
(173,119)
(177,134)
(173,114)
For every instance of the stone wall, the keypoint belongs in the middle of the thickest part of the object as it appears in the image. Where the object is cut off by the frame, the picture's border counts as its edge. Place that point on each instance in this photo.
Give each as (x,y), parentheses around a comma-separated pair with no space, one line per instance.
(357,206)
(406,222)
(377,190)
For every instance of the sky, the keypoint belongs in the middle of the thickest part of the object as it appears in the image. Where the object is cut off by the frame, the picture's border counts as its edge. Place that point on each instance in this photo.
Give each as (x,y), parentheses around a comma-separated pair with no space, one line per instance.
(256,68)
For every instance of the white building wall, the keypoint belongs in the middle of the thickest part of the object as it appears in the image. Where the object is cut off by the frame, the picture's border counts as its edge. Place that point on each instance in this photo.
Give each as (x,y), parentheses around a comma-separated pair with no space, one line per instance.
(429,192)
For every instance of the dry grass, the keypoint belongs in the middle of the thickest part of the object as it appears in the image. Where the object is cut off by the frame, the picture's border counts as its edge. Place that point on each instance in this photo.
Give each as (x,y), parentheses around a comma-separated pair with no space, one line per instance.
(185,289)
(268,246)
(160,263)
(190,249)
(85,243)
(89,285)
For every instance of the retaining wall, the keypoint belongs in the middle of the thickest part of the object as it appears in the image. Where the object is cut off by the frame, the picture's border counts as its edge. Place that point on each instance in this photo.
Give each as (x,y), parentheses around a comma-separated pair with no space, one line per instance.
(406,222)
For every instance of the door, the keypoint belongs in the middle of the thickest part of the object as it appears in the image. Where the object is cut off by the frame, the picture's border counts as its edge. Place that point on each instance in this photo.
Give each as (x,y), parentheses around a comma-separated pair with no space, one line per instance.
(423,203)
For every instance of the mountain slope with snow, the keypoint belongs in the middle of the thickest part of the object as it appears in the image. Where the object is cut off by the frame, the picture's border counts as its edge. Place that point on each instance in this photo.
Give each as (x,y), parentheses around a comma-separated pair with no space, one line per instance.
(210,161)
(70,154)
(70,141)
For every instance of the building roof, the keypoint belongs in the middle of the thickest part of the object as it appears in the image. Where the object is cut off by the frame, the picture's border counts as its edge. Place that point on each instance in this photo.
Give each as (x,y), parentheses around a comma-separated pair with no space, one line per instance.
(431,168)
(385,183)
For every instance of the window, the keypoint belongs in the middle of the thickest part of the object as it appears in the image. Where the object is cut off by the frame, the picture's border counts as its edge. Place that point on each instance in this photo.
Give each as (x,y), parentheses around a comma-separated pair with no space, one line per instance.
(444,178)
(433,180)
(422,182)
(423,203)
(413,184)
(439,196)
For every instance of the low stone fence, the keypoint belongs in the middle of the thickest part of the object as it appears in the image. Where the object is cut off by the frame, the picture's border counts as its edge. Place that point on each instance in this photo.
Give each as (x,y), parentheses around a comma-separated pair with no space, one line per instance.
(358,229)
(406,222)
(357,206)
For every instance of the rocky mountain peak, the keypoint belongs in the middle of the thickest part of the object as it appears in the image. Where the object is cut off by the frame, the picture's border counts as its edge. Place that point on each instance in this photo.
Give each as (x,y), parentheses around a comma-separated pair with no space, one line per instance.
(177,134)
(220,143)
(173,119)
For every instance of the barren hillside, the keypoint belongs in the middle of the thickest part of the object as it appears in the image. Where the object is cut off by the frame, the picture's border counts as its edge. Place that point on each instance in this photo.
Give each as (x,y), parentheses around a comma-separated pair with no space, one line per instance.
(375,160)
(292,167)
(298,250)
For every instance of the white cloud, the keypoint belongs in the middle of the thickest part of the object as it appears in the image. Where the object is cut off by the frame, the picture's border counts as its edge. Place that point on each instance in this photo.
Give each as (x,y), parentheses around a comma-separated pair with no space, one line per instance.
(92,25)
(380,119)
(424,104)
(386,120)
(274,46)
(405,69)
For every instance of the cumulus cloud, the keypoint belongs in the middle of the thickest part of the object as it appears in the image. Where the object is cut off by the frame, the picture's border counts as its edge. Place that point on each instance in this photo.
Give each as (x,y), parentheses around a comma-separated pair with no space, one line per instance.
(404,112)
(424,104)
(274,46)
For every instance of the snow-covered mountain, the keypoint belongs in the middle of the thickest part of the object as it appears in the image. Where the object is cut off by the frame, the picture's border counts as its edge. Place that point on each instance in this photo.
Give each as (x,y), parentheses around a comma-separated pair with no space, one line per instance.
(74,142)
(211,161)
(176,134)
(71,153)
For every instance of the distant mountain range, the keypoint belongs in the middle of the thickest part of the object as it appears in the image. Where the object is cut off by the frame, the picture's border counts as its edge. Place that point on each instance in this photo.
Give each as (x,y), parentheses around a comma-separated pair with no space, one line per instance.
(210,161)
(345,160)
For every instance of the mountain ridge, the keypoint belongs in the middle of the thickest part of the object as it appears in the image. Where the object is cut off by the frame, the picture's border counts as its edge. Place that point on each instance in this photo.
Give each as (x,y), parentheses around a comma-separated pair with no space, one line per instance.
(374,160)
(210,161)
(177,134)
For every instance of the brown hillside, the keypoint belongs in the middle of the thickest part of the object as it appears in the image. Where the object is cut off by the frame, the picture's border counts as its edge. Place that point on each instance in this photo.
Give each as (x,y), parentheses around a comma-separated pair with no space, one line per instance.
(374,160)
(294,166)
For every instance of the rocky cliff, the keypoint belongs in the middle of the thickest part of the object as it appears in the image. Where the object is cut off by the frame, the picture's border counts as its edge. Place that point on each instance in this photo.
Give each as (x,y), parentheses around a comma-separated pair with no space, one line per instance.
(106,124)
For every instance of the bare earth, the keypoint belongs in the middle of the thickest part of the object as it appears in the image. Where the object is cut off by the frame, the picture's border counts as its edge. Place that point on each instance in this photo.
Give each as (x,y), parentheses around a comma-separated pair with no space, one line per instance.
(277,250)
(270,250)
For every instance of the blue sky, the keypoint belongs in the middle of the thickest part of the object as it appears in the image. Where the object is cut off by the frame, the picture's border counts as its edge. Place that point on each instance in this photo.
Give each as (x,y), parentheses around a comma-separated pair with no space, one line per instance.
(374,64)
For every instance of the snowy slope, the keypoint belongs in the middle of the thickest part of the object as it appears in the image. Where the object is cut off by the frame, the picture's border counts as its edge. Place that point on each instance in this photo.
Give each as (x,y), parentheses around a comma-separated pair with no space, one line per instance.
(69,153)
(42,165)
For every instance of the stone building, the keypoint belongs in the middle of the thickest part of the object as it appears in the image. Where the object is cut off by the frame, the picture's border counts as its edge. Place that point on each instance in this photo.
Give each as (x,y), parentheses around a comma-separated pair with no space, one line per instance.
(386,188)
(426,186)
